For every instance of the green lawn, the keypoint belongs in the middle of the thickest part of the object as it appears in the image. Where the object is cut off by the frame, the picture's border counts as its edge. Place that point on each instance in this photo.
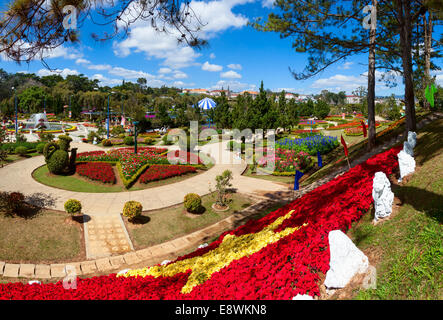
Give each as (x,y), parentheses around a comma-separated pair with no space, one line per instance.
(80,184)
(165,224)
(410,262)
(40,237)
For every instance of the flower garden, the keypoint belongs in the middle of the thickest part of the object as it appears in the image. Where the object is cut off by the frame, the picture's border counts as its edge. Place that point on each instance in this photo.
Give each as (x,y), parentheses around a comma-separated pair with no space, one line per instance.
(276,257)
(149,163)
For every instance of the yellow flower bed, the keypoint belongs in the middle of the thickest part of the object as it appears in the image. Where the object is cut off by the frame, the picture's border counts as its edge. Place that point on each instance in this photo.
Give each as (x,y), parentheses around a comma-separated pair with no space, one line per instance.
(232,248)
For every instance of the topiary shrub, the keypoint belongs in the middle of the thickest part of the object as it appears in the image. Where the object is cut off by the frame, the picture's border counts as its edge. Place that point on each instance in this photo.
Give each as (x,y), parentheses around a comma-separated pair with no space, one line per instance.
(58,161)
(40,147)
(132,210)
(129,141)
(21,151)
(149,141)
(64,142)
(73,206)
(107,142)
(192,202)
(49,149)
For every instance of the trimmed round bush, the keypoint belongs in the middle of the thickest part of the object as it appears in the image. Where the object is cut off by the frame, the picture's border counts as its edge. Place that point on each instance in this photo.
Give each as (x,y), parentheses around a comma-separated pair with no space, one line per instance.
(107,142)
(192,202)
(129,141)
(40,147)
(73,206)
(22,151)
(149,141)
(58,161)
(132,209)
(121,135)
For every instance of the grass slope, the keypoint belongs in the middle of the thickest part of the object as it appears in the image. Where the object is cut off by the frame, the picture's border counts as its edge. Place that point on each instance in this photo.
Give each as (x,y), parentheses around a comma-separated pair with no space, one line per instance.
(409,246)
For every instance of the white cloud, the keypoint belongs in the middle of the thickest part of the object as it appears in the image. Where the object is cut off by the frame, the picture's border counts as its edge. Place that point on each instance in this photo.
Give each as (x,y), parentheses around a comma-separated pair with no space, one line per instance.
(438,76)
(340,82)
(178,84)
(63,73)
(82,61)
(212,56)
(230,74)
(346,65)
(180,75)
(105,81)
(235,66)
(62,52)
(216,17)
(211,67)
(129,74)
(164,70)
(100,67)
(233,85)
(267,3)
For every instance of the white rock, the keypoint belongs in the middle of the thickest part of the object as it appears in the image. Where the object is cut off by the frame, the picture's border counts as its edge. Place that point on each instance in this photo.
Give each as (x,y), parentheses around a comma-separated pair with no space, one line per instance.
(165,262)
(302,297)
(406,163)
(204,245)
(346,260)
(409,145)
(121,272)
(383,196)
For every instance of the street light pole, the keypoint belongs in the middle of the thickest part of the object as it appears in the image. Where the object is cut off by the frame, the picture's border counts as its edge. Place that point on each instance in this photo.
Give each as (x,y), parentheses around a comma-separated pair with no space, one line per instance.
(135,136)
(107,120)
(16,117)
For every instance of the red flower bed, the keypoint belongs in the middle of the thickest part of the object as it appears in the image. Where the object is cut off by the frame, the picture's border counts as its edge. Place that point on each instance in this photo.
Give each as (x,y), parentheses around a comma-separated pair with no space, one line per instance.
(185,157)
(160,172)
(99,171)
(278,271)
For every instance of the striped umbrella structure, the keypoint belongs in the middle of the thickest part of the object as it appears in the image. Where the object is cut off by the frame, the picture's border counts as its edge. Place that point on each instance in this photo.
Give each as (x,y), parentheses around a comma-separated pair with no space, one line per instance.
(206,104)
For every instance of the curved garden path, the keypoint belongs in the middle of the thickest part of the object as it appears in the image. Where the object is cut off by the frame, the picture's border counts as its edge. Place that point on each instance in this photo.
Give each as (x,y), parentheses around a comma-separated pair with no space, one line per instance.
(105,233)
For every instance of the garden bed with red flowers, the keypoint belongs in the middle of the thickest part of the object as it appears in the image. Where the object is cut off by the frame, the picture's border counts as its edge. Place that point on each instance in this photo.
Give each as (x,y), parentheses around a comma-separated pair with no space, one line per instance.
(130,165)
(98,171)
(159,172)
(276,257)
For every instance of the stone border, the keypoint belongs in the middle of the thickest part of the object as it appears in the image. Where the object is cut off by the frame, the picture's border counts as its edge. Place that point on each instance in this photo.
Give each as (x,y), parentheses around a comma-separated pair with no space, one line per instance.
(149,256)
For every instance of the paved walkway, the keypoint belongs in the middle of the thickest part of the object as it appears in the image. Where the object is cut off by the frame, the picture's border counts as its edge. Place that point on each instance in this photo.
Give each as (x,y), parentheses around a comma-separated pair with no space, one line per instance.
(98,207)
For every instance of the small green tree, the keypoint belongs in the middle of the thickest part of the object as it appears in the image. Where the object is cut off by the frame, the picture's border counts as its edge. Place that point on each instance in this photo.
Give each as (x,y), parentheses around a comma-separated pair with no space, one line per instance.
(223,182)
(321,109)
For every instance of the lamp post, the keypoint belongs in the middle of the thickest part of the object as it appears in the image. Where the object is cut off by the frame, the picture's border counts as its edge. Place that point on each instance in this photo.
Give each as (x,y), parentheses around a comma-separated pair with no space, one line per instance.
(16,117)
(70,109)
(107,119)
(135,136)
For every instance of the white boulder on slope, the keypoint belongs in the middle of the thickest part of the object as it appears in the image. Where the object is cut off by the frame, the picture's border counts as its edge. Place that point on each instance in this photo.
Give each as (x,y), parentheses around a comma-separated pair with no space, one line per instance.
(346,260)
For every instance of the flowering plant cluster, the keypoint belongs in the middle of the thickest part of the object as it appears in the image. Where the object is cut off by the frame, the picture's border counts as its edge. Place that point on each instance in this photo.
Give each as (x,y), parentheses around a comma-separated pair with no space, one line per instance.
(303,131)
(286,160)
(391,127)
(160,172)
(275,257)
(99,171)
(131,165)
(310,144)
(358,131)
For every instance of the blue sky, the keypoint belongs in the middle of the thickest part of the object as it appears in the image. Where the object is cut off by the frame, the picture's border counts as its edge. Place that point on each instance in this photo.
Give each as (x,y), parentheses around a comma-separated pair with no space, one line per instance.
(238,56)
